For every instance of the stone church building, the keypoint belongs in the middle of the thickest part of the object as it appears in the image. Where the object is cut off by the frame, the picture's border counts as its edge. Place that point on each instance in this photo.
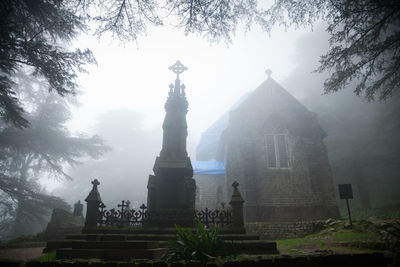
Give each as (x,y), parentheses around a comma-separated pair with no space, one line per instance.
(273,146)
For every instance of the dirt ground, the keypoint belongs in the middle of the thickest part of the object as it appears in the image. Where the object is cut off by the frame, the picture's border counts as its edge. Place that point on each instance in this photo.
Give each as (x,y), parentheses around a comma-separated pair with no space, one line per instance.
(20,253)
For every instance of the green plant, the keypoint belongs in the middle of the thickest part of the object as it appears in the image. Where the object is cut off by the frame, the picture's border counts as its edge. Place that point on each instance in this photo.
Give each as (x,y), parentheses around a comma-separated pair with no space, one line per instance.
(201,244)
(48,256)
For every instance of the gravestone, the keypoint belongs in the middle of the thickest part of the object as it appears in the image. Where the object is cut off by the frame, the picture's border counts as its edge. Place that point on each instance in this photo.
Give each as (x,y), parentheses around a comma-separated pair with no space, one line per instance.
(63,223)
(78,209)
(172,190)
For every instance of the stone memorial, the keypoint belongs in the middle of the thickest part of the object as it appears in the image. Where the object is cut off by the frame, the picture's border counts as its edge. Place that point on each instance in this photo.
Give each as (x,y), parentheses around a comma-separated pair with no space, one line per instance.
(172,190)
(78,209)
(63,223)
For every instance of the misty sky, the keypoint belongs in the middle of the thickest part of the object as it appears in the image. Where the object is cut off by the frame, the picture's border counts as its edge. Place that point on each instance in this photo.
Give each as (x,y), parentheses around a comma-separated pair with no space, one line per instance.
(136,76)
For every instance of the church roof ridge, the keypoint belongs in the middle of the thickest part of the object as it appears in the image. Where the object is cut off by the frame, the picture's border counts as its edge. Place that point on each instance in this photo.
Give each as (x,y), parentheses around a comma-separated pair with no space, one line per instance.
(271,91)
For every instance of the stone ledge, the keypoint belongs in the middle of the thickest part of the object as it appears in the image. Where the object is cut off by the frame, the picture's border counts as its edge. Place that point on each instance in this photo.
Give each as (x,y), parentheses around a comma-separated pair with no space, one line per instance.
(344,260)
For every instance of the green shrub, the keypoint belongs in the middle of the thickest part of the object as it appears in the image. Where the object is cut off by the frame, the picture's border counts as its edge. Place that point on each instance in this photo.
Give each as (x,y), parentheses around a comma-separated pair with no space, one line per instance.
(51,256)
(202,244)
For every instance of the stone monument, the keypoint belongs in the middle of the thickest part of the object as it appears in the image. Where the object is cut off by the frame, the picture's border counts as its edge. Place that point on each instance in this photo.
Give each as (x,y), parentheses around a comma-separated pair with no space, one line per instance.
(78,209)
(172,190)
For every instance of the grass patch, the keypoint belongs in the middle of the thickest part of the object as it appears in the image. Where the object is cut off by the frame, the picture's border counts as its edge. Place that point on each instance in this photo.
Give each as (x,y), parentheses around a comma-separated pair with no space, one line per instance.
(337,237)
(292,242)
(51,256)
(348,235)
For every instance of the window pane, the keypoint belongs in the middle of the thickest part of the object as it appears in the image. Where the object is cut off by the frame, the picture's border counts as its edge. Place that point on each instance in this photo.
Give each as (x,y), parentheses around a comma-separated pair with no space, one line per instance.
(270,146)
(283,155)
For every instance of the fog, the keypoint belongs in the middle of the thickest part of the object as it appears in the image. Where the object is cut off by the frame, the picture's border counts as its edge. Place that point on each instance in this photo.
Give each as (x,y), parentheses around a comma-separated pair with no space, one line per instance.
(122,100)
(84,85)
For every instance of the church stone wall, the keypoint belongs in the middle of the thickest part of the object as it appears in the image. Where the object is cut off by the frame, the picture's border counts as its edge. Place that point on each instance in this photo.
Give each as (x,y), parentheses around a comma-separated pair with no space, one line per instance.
(304,190)
(283,230)
(207,192)
(301,192)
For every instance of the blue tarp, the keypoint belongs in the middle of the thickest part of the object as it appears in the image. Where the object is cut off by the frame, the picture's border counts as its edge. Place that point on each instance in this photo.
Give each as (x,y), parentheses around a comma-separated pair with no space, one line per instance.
(209,140)
(208,167)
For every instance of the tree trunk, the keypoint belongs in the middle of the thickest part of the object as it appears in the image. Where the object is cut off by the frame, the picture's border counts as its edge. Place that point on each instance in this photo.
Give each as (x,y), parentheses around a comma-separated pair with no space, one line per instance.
(20,226)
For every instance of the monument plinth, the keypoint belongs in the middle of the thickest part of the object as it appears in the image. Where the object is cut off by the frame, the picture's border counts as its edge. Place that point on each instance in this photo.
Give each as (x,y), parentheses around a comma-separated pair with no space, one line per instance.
(171,190)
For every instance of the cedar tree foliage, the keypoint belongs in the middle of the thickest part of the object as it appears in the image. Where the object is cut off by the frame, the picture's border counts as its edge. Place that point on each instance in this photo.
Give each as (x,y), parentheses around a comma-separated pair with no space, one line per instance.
(364,37)
(364,34)
(364,41)
(31,35)
(43,149)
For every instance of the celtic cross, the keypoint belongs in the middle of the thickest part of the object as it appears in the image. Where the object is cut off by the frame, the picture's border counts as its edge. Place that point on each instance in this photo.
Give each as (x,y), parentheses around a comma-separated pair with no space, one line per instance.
(178,68)
(95,183)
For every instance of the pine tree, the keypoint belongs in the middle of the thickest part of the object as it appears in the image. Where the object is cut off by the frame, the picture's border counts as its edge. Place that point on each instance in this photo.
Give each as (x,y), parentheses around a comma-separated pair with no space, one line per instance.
(41,150)
(31,37)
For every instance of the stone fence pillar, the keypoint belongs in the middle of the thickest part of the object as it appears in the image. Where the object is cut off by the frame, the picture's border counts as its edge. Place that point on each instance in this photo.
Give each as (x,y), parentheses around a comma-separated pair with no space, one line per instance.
(93,201)
(237,207)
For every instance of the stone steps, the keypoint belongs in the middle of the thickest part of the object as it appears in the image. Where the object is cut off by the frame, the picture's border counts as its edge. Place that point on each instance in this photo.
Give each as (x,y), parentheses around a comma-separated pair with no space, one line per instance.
(142,245)
(149,237)
(110,254)
(113,245)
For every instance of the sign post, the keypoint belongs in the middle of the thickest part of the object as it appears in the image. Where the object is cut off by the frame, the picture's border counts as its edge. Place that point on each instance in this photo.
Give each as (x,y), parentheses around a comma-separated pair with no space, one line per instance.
(346,192)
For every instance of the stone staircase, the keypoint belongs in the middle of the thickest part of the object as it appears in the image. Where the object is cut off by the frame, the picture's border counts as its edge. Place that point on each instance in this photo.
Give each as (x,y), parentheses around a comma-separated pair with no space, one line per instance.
(146,241)
(145,245)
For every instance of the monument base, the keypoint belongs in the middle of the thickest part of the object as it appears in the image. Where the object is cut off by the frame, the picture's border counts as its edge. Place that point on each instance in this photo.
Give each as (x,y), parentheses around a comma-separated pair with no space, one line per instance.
(169,218)
(171,197)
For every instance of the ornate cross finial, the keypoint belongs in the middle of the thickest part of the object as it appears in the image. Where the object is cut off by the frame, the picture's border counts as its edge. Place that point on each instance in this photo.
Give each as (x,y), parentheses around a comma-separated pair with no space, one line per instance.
(235,185)
(178,68)
(94,194)
(268,72)
(95,183)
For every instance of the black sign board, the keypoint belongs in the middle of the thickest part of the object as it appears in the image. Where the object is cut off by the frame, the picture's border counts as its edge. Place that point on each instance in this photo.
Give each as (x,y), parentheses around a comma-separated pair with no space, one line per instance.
(345,191)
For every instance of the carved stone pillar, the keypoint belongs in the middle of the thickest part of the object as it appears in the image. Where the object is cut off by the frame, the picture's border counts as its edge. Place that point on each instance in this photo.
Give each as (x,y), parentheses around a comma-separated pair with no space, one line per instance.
(172,190)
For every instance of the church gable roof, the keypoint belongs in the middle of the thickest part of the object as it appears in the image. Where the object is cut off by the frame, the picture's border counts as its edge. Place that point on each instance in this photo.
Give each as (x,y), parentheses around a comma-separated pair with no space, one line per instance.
(268,102)
(271,99)
(271,96)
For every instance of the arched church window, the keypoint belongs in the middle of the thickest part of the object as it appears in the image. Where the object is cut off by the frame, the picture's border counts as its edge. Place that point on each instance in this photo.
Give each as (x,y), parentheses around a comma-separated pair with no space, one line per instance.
(276,145)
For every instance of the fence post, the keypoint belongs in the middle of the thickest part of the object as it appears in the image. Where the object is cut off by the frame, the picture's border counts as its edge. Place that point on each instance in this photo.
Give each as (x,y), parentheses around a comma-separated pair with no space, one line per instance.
(237,207)
(93,201)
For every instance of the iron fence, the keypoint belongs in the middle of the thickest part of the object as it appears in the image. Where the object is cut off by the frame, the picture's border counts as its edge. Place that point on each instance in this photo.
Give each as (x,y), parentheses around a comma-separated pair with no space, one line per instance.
(126,217)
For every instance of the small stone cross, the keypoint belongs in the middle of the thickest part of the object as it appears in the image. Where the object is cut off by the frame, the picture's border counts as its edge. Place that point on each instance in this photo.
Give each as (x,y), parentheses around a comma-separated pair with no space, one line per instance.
(102,206)
(268,72)
(235,185)
(95,183)
(178,68)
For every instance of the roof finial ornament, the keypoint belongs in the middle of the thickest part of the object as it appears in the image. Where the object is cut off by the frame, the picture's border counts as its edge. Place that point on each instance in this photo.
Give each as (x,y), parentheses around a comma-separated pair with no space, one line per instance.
(268,72)
(178,68)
